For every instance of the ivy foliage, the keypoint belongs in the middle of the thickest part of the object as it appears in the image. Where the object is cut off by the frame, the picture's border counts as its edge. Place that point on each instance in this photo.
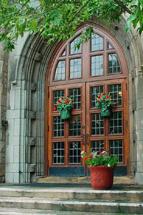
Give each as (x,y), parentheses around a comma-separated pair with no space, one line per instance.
(59,19)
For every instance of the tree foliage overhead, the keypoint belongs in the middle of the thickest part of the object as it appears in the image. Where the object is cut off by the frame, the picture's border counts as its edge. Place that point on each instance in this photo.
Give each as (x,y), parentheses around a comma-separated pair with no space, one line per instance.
(59,19)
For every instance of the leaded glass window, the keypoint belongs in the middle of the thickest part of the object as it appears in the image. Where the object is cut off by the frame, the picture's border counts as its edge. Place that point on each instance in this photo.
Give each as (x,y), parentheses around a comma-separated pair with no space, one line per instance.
(75,126)
(75,94)
(58,153)
(97,124)
(96,42)
(75,46)
(113,63)
(94,91)
(60,71)
(75,68)
(58,126)
(115,123)
(97,65)
(116,148)
(109,46)
(115,91)
(97,145)
(74,152)
(57,94)
(64,53)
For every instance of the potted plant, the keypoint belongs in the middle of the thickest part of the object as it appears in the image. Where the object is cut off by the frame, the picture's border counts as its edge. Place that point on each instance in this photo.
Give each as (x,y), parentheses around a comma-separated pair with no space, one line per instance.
(101,166)
(64,107)
(104,102)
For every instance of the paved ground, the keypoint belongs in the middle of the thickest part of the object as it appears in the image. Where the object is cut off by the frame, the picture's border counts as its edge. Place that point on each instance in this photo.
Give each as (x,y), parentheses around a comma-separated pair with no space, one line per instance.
(120,183)
(68,186)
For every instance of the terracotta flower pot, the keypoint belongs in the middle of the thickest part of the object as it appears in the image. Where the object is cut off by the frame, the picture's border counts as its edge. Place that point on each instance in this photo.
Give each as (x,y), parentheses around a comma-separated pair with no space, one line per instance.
(101,177)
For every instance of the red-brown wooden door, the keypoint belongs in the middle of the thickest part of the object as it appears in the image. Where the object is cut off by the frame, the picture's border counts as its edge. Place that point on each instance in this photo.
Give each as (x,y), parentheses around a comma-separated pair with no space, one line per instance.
(97,66)
(66,137)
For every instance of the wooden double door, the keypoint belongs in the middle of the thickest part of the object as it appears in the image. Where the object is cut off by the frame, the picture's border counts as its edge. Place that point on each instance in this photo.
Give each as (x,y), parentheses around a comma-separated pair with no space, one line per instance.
(86,128)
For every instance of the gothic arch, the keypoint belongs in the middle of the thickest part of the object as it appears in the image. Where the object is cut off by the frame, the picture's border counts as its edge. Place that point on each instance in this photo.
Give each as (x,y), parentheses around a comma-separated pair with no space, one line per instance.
(25,113)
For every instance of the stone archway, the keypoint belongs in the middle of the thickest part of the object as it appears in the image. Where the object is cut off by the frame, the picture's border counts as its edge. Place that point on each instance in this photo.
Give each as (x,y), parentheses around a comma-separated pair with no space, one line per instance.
(25,114)
(25,149)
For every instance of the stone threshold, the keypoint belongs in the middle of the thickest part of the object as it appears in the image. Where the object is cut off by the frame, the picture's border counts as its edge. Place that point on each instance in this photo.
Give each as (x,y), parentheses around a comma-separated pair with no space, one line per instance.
(127,180)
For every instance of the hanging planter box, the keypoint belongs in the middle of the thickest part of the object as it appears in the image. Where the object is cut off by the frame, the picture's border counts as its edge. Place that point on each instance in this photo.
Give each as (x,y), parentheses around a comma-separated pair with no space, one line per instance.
(104,103)
(65,114)
(64,107)
(106,112)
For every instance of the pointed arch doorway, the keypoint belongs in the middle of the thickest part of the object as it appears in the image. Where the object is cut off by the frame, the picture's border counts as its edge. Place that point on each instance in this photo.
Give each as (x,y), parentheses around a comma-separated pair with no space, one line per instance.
(96,66)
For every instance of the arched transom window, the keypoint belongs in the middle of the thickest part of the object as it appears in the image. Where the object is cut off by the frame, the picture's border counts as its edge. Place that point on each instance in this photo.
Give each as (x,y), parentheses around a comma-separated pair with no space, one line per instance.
(99,55)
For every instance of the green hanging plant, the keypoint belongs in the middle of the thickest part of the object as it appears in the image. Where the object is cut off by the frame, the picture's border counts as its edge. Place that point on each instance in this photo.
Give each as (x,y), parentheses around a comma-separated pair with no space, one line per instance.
(104,102)
(64,107)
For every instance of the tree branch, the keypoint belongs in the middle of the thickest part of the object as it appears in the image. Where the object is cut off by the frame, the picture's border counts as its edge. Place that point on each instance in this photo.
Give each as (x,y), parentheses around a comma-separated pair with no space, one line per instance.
(123,6)
(78,11)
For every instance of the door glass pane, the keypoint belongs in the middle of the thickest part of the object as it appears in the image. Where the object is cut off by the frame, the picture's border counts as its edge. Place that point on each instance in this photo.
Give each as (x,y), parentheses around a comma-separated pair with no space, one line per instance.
(97,124)
(96,42)
(75,94)
(60,71)
(113,64)
(56,95)
(75,68)
(97,145)
(74,152)
(94,91)
(58,153)
(75,126)
(116,148)
(115,91)
(58,126)
(97,65)
(115,123)
(75,46)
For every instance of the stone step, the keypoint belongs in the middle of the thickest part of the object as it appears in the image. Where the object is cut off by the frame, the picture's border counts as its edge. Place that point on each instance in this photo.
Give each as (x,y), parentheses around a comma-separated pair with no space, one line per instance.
(65,193)
(68,205)
(15,211)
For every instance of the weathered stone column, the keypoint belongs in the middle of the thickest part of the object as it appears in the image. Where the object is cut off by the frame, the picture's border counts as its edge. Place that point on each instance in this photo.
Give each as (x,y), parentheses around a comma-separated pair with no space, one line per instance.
(3,107)
(139,126)
(15,136)
(15,147)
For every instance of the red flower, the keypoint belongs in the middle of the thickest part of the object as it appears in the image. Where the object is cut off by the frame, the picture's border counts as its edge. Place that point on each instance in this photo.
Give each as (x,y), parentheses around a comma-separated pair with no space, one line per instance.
(54,108)
(59,101)
(64,101)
